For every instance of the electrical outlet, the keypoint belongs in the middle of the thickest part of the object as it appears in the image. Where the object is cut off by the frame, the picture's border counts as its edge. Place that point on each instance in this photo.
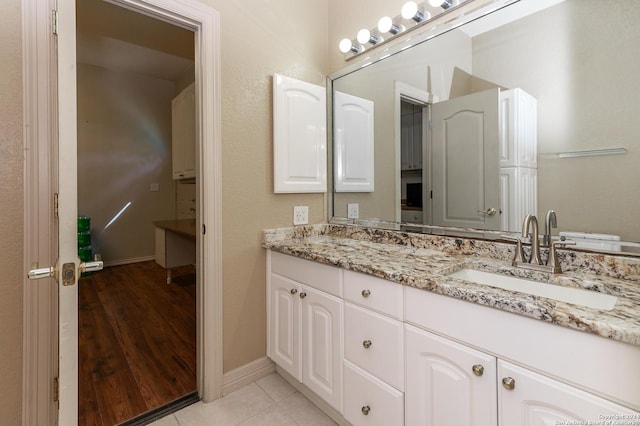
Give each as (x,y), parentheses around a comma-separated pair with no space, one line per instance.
(154,187)
(353,210)
(300,215)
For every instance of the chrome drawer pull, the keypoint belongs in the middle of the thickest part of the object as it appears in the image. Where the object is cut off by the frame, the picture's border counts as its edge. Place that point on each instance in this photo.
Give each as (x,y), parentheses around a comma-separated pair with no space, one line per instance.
(366,344)
(478,369)
(509,383)
(293,291)
(365,410)
(366,293)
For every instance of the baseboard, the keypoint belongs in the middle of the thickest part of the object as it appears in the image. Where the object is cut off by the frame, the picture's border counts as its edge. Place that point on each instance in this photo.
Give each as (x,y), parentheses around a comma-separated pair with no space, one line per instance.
(129,261)
(246,374)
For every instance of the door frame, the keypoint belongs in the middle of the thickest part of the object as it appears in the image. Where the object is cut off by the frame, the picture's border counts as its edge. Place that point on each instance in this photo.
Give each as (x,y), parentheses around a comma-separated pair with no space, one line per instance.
(40,351)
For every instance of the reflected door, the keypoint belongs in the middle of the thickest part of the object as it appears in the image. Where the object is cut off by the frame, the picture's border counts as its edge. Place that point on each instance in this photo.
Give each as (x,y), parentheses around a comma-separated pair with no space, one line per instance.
(465,161)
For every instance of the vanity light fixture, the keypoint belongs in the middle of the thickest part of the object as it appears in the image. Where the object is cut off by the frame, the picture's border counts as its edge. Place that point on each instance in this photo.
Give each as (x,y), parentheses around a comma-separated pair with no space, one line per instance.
(445,4)
(386,25)
(411,11)
(347,46)
(364,36)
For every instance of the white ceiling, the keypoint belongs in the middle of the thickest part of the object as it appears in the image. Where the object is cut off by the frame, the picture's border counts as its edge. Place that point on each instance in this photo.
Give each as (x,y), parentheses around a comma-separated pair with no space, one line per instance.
(122,56)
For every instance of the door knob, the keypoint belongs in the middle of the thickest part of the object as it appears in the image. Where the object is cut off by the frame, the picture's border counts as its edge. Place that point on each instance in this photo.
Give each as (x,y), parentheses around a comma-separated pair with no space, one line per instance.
(95,265)
(490,212)
(36,273)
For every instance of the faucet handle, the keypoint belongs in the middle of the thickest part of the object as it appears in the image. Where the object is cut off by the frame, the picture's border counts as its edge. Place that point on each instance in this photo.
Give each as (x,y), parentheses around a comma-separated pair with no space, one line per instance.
(518,255)
(553,259)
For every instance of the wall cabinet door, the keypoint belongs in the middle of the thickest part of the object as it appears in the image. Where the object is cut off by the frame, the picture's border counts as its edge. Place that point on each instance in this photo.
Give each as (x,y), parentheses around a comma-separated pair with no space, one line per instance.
(536,400)
(183,134)
(449,384)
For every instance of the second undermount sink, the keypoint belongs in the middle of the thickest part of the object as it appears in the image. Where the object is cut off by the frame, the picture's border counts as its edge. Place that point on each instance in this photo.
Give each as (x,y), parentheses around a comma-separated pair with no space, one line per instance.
(576,296)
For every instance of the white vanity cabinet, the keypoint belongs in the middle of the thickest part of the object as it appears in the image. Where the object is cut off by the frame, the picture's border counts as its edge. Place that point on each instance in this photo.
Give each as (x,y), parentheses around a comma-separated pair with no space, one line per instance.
(304,315)
(183,134)
(528,398)
(373,351)
(448,383)
(539,371)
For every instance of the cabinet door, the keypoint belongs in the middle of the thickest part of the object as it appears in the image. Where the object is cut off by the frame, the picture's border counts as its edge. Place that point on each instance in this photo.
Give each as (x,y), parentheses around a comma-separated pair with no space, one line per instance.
(299,136)
(284,325)
(183,134)
(322,345)
(442,388)
(536,400)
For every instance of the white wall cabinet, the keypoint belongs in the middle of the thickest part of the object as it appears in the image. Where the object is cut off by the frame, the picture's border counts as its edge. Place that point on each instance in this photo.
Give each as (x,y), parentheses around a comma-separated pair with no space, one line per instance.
(183,134)
(305,325)
(299,136)
(353,143)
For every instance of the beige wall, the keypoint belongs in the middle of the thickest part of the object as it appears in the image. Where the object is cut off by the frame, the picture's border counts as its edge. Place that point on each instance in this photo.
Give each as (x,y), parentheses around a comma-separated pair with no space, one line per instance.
(124,145)
(11,194)
(258,39)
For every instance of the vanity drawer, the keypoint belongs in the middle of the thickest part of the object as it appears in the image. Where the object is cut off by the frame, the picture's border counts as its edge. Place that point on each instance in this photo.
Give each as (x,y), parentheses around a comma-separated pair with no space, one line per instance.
(322,277)
(368,401)
(374,293)
(374,343)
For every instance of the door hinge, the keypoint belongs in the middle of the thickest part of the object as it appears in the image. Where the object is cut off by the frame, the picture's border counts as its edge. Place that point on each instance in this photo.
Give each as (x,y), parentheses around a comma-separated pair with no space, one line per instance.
(55,205)
(56,389)
(54,22)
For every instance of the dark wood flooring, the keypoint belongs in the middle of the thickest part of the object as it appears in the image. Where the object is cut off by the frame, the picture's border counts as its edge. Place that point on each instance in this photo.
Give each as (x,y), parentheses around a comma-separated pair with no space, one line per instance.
(137,341)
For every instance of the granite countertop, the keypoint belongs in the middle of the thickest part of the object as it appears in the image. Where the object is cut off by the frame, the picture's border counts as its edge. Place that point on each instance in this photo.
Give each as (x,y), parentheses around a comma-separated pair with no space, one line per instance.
(186,227)
(425,261)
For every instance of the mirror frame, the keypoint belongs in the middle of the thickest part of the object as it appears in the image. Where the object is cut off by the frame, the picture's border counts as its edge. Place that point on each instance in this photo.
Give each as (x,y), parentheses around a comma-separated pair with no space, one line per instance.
(468,11)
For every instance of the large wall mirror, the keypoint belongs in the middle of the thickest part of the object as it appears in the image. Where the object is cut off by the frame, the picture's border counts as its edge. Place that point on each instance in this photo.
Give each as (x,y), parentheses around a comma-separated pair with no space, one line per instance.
(529,108)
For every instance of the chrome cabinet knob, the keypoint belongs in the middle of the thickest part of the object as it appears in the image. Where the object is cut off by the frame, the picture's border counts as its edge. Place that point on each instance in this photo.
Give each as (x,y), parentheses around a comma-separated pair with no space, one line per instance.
(293,291)
(365,410)
(366,293)
(478,369)
(366,344)
(303,295)
(509,383)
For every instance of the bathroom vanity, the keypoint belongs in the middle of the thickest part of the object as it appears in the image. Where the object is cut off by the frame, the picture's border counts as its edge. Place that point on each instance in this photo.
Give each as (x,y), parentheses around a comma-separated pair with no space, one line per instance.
(380,326)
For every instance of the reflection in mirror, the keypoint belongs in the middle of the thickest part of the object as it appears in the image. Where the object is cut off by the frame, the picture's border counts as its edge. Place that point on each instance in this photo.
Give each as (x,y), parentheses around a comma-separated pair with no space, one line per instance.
(558,77)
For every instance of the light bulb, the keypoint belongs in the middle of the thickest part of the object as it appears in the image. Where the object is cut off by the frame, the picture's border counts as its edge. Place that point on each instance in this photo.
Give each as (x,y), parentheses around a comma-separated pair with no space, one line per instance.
(347,46)
(445,4)
(386,25)
(410,11)
(364,36)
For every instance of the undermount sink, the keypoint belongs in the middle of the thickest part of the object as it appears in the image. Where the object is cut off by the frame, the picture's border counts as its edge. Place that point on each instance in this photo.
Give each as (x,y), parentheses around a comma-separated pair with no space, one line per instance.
(576,296)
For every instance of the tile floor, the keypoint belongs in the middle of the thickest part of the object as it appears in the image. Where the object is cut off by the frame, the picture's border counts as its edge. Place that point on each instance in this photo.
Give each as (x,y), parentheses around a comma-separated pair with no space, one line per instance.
(269,401)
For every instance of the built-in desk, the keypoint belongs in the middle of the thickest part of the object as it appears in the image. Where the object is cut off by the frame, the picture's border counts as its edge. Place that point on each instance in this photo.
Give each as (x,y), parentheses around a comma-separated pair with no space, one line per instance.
(175,243)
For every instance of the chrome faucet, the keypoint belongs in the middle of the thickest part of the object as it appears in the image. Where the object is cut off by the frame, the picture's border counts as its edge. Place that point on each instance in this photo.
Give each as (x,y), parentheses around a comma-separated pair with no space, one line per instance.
(532,222)
(530,230)
(550,221)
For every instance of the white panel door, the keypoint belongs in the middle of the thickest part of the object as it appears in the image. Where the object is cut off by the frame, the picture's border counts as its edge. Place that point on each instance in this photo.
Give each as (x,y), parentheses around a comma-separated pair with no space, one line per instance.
(536,400)
(322,345)
(284,323)
(442,388)
(299,136)
(465,161)
(67,216)
(353,143)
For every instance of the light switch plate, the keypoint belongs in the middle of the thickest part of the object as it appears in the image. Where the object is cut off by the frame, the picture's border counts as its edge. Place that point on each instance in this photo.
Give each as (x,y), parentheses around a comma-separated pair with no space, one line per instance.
(300,215)
(353,210)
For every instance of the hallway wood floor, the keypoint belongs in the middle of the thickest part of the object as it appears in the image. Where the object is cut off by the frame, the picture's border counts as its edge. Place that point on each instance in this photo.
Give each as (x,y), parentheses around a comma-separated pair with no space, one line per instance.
(137,341)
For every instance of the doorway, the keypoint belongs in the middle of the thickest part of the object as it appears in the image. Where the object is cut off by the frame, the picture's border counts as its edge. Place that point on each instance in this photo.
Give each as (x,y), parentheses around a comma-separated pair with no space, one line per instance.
(137,332)
(50,330)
